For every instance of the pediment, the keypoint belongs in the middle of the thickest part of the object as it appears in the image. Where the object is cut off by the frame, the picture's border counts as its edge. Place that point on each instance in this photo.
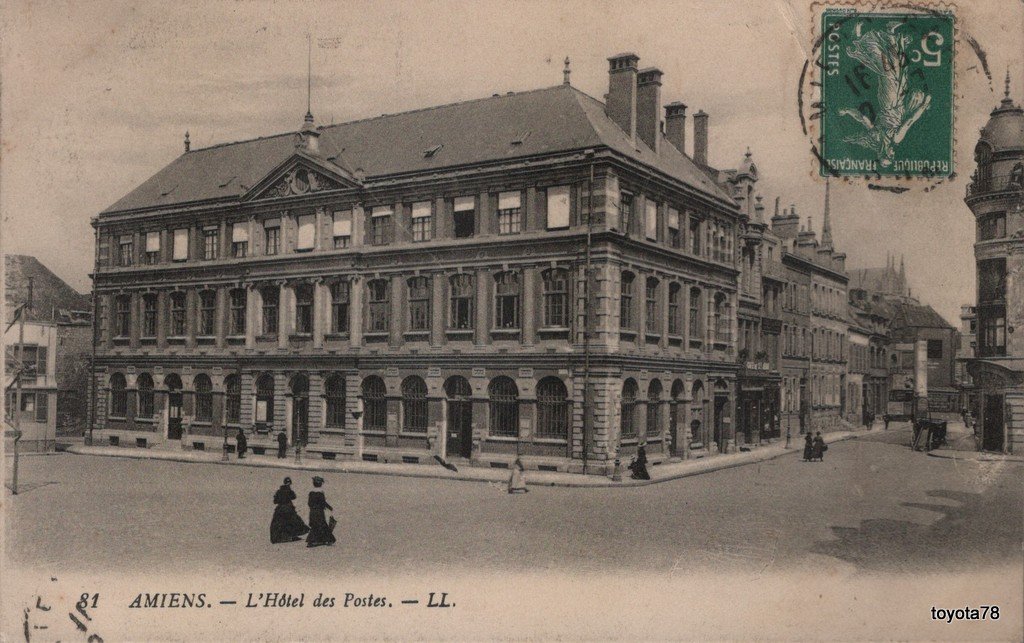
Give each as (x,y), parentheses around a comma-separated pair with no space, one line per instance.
(299,175)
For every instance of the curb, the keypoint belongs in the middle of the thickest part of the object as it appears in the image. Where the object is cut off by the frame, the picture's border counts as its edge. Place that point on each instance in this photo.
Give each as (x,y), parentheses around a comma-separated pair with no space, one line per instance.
(975,456)
(715,464)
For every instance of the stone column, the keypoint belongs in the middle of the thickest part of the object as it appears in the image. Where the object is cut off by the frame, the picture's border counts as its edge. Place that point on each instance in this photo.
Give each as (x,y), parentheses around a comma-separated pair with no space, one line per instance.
(529,321)
(437,308)
(399,309)
(161,319)
(252,311)
(485,223)
(283,318)
(221,318)
(191,316)
(482,330)
(319,297)
(663,286)
(357,296)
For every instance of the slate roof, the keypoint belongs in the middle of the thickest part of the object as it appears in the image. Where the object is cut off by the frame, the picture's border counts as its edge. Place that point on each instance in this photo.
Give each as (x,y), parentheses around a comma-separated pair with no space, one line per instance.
(545,121)
(908,314)
(52,298)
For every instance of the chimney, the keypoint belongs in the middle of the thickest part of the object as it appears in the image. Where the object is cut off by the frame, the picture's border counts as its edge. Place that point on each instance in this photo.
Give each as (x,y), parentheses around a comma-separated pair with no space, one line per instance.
(700,138)
(785,225)
(188,143)
(675,125)
(648,106)
(621,104)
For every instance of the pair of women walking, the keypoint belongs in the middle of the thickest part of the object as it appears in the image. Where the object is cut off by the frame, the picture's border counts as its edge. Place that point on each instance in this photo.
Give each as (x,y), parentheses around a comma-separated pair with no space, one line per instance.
(287,525)
(814,447)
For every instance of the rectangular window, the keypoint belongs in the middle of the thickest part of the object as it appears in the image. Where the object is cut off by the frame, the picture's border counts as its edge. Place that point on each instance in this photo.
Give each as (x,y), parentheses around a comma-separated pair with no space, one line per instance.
(991,281)
(675,237)
(419,304)
(41,365)
(42,407)
(307,233)
(122,321)
(272,236)
(380,225)
(378,292)
(177,314)
(934,349)
(461,313)
(509,213)
(626,320)
(421,221)
(651,220)
(991,331)
(211,243)
(304,309)
(152,255)
(695,235)
(342,228)
(238,305)
(339,306)
(271,297)
(506,301)
(179,248)
(464,216)
(149,305)
(207,312)
(558,207)
(625,211)
(556,298)
(240,240)
(652,322)
(675,319)
(992,226)
(125,250)
(694,319)
(28,402)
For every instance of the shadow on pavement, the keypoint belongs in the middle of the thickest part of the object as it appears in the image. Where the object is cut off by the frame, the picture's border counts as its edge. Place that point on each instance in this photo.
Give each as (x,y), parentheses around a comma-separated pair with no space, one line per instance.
(979,530)
(26,487)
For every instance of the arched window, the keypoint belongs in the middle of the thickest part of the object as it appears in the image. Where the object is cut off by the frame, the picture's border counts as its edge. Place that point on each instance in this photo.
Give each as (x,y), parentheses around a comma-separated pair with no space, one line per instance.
(653,410)
(375,404)
(145,386)
(721,313)
(556,298)
(506,300)
(627,421)
(149,308)
(271,299)
(265,401)
(983,157)
(379,298)
(118,396)
(419,304)
(178,307)
(552,409)
(207,312)
(675,316)
(652,321)
(627,318)
(504,407)
(414,405)
(204,398)
(460,313)
(334,395)
(695,326)
(232,399)
(457,388)
(304,309)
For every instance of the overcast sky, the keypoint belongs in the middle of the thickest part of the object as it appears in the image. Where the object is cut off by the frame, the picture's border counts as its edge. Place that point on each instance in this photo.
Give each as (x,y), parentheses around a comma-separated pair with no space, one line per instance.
(96,97)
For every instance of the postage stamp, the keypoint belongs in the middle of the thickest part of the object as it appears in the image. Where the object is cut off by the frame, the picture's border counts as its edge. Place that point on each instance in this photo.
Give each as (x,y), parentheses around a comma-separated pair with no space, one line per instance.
(887,93)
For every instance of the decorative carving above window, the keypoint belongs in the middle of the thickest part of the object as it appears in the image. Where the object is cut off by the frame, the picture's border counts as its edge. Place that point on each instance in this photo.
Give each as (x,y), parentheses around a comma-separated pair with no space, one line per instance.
(300,180)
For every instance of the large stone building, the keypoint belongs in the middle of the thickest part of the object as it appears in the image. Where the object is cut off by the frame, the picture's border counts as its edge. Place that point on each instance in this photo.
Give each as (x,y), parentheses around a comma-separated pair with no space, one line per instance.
(416,285)
(996,199)
(47,354)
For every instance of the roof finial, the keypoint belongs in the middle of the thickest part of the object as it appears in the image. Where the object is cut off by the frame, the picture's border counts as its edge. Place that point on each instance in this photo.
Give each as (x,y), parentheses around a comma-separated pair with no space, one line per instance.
(188,144)
(566,72)
(826,226)
(1006,90)
(309,77)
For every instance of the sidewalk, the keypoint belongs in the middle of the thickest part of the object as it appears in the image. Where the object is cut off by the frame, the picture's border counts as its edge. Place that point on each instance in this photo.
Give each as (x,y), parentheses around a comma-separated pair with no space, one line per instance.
(961,445)
(659,473)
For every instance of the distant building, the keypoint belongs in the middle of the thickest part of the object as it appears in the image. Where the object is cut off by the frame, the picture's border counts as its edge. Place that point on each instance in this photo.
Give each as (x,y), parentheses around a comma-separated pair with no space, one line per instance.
(996,198)
(51,361)
(912,322)
(967,352)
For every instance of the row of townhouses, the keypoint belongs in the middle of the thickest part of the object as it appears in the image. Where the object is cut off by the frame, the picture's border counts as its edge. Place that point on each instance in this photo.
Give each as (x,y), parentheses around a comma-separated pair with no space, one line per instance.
(537,274)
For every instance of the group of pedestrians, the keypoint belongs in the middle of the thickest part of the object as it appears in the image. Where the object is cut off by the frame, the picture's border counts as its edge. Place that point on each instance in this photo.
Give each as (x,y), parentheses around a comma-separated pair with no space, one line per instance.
(814,447)
(287,526)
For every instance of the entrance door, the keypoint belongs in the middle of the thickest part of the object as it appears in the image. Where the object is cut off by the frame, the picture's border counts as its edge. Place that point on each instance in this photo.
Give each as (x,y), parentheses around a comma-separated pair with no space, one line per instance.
(174,415)
(300,409)
(721,401)
(459,440)
(992,439)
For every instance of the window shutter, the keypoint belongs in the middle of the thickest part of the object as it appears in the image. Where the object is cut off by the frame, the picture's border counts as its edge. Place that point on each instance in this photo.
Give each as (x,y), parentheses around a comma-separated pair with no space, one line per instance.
(41,360)
(152,242)
(673,219)
(343,223)
(508,200)
(180,244)
(421,209)
(307,232)
(382,211)
(651,220)
(465,203)
(240,233)
(558,207)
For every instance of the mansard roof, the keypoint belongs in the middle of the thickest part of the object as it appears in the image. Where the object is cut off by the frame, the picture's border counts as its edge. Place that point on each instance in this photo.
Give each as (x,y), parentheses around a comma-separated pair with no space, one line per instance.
(52,298)
(500,128)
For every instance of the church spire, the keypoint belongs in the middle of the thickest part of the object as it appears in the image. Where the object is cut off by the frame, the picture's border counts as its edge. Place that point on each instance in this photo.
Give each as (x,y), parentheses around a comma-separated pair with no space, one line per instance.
(566,72)
(1007,101)
(826,226)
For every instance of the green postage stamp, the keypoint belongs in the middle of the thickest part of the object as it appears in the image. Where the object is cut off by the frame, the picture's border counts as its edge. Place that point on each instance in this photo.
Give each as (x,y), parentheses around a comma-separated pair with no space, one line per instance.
(887,93)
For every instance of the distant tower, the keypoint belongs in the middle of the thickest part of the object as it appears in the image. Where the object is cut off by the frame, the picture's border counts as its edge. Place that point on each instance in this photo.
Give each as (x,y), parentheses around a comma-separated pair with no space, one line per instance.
(826,226)
(565,72)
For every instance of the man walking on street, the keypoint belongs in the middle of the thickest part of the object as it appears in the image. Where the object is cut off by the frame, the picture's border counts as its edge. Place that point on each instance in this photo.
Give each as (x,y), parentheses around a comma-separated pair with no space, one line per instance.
(243,444)
(282,445)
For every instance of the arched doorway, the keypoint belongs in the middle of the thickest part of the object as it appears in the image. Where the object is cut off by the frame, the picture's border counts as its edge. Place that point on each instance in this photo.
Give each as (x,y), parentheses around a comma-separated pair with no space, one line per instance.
(173,384)
(698,428)
(300,409)
(675,443)
(721,409)
(459,442)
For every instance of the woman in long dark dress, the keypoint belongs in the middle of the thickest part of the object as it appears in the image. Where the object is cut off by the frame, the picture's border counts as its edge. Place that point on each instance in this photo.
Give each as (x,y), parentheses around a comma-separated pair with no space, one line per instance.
(286,525)
(639,465)
(808,446)
(320,531)
(818,452)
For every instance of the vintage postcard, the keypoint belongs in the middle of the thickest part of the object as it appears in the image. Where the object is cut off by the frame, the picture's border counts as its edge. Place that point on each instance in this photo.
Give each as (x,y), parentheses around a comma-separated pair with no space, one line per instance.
(451,320)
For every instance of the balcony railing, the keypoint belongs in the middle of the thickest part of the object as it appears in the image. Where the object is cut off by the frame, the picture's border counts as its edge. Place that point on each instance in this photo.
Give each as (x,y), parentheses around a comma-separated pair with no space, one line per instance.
(1002,183)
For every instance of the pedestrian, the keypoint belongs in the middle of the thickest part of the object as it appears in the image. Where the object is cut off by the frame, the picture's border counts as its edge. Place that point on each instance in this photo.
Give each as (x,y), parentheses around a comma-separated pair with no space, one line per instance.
(639,465)
(818,451)
(808,446)
(282,444)
(517,481)
(286,525)
(242,443)
(321,530)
